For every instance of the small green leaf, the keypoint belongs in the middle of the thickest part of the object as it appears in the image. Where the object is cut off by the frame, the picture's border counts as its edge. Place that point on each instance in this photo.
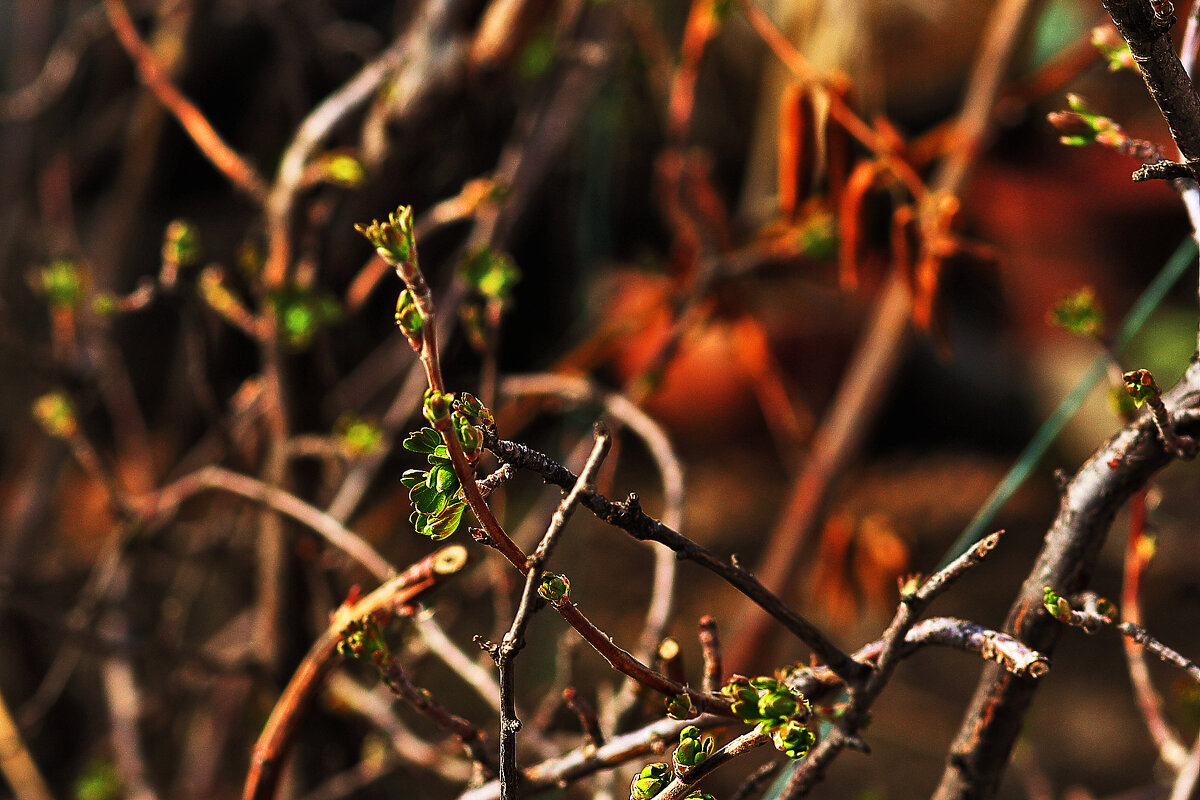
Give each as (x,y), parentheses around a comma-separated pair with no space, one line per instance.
(1079,313)
(445,523)
(425,440)
(341,168)
(443,479)
(427,500)
(490,273)
(98,781)
(358,437)
(412,478)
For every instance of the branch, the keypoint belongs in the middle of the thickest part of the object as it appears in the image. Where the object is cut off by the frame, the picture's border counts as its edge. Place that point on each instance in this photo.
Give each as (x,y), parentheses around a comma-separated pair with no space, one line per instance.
(214,148)
(1090,501)
(166,501)
(274,741)
(584,761)
(629,517)
(514,640)
(1149,39)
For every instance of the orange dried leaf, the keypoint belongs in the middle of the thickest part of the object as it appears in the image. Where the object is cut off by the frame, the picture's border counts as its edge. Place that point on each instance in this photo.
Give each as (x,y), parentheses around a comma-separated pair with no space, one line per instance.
(850,222)
(794,164)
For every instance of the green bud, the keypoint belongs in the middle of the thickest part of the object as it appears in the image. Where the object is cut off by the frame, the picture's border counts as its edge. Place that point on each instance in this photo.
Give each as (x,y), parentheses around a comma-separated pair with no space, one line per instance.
(1141,386)
(394,239)
(793,739)
(468,435)
(62,282)
(679,706)
(357,436)
(693,749)
(105,303)
(301,313)
(1079,313)
(342,169)
(55,413)
(650,781)
(436,407)
(181,243)
(1058,607)
(777,704)
(1114,48)
(699,796)
(408,318)
(554,588)
(362,638)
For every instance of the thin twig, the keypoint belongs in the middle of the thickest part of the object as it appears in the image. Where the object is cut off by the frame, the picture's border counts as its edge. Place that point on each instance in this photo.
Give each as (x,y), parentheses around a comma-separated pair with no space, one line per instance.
(734,749)
(1166,739)
(584,761)
(472,737)
(670,468)
(214,148)
(629,516)
(167,500)
(514,640)
(16,762)
(274,741)
(429,26)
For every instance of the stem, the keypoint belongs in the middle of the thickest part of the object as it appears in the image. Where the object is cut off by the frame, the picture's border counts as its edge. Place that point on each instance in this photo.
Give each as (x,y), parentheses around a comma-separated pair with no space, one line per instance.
(629,516)
(197,126)
(514,640)
(275,740)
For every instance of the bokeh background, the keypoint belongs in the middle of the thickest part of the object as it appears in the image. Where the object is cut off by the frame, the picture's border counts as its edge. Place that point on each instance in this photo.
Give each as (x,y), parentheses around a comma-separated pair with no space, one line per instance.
(95,170)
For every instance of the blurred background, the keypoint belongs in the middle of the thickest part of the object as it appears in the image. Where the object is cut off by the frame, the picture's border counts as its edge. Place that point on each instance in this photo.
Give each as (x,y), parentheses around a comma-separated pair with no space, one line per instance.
(693,226)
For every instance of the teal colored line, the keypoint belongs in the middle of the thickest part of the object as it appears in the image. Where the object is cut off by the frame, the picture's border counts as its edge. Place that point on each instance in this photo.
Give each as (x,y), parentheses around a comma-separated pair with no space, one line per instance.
(1183,257)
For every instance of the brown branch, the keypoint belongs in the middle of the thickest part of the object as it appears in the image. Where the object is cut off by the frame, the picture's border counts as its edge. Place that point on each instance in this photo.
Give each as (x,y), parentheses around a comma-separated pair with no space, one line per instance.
(514,640)
(166,502)
(214,148)
(629,517)
(710,646)
(1091,499)
(473,739)
(275,739)
(16,763)
(593,736)
(1149,40)
(584,761)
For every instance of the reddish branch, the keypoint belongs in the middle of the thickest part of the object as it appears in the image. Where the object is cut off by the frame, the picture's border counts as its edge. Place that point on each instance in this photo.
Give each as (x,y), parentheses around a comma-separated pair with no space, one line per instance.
(222,156)
(275,740)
